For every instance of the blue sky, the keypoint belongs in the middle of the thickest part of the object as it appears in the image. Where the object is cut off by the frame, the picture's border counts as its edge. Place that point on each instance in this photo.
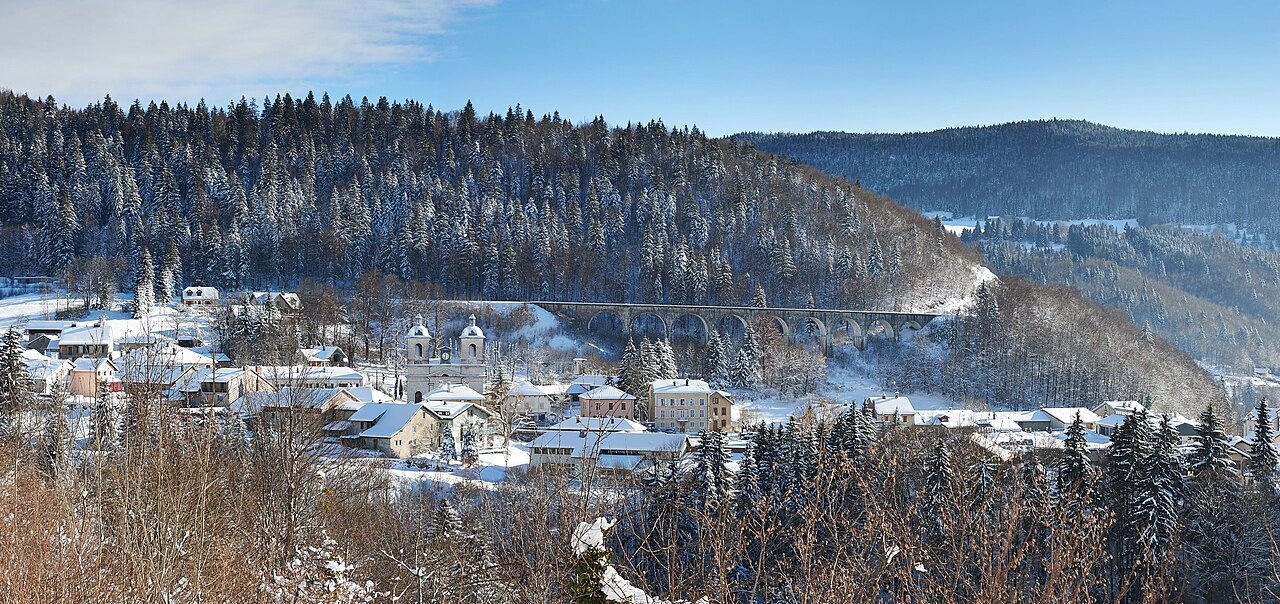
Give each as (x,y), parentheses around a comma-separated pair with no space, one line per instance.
(725,66)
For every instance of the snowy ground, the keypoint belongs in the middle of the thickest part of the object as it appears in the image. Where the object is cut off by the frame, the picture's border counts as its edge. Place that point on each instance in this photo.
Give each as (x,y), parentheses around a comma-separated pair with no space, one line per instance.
(27,307)
(960,224)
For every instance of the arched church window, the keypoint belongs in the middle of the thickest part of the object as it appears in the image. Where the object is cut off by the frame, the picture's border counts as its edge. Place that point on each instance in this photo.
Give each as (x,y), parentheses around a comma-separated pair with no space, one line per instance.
(418,348)
(472,348)
(417,396)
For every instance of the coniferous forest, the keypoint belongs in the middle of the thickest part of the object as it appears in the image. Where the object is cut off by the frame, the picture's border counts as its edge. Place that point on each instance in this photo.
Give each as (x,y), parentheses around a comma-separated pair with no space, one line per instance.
(517,206)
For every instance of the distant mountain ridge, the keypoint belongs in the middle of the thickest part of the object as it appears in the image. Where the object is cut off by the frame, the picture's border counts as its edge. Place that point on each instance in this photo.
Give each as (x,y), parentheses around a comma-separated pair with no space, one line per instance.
(1056,169)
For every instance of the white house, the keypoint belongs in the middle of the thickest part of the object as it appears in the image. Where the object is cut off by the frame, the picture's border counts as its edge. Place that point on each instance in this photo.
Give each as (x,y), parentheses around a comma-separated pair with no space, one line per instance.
(681,405)
(311,377)
(1109,408)
(44,371)
(323,356)
(200,295)
(525,398)
(894,409)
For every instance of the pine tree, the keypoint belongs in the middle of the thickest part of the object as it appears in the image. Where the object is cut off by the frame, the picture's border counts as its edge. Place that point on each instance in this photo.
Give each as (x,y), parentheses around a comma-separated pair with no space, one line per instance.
(713,480)
(758,300)
(143,285)
(1162,491)
(666,361)
(56,442)
(938,500)
(105,423)
(469,452)
(1211,455)
(748,494)
(15,395)
(448,522)
(169,280)
(1262,459)
(1075,473)
(1123,480)
(716,361)
(448,448)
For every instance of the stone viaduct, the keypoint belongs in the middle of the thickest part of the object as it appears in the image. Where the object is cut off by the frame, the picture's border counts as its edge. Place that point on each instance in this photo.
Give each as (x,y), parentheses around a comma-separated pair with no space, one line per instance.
(826,324)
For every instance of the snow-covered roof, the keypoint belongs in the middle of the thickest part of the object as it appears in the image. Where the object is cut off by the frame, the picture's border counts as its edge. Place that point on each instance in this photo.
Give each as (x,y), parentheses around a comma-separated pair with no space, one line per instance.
(598,424)
(320,353)
(681,386)
(302,398)
(948,418)
(591,380)
(166,353)
(1067,415)
(48,325)
(206,374)
(897,405)
(453,392)
(290,298)
(93,364)
(553,389)
(1129,407)
(153,374)
(1091,438)
(388,418)
(452,409)
(525,388)
(200,292)
(42,368)
(590,444)
(89,335)
(607,393)
(368,394)
(283,375)
(471,330)
(419,329)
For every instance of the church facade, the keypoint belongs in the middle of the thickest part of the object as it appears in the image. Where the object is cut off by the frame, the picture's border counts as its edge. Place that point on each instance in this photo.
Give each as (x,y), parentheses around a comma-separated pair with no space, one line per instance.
(426,369)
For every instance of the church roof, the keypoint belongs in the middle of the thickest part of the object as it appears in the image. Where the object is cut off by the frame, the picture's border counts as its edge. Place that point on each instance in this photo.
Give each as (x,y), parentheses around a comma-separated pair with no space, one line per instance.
(419,329)
(471,330)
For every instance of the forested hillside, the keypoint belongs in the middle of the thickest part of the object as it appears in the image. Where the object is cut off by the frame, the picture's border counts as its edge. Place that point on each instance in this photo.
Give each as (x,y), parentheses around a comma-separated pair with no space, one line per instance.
(515,206)
(504,207)
(1057,169)
(1207,294)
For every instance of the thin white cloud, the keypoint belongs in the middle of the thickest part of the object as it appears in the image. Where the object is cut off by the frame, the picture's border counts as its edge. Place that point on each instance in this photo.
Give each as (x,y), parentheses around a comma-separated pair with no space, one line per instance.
(80,50)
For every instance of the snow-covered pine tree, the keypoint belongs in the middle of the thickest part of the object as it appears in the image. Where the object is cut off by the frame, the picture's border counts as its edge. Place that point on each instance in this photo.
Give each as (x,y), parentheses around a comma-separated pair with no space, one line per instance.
(56,442)
(937,501)
(15,396)
(666,360)
(1123,478)
(1075,472)
(1262,454)
(713,479)
(105,423)
(448,522)
(1211,456)
(469,451)
(715,361)
(758,300)
(448,448)
(1162,491)
(169,280)
(143,285)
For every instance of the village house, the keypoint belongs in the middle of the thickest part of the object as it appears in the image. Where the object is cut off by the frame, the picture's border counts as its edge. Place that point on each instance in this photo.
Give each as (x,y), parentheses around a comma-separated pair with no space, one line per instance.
(462,418)
(323,356)
(200,295)
(44,372)
(607,401)
(583,450)
(217,387)
(163,379)
(51,329)
(583,384)
(312,406)
(285,302)
(1109,408)
(893,409)
(393,429)
(453,393)
(87,373)
(525,398)
(92,340)
(681,405)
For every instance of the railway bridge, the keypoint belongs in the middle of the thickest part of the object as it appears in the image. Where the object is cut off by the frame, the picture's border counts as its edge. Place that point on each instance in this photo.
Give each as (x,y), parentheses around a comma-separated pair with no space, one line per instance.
(825,323)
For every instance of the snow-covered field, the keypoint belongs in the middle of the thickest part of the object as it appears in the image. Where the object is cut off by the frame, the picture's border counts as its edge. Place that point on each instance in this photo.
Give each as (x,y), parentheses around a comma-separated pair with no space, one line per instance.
(960,224)
(27,307)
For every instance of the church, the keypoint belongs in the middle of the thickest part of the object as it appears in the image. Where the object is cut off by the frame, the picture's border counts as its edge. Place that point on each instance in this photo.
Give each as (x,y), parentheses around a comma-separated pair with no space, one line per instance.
(425,372)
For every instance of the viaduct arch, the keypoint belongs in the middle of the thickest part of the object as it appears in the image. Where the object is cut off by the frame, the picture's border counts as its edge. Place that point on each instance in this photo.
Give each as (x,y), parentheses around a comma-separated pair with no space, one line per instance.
(856,323)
